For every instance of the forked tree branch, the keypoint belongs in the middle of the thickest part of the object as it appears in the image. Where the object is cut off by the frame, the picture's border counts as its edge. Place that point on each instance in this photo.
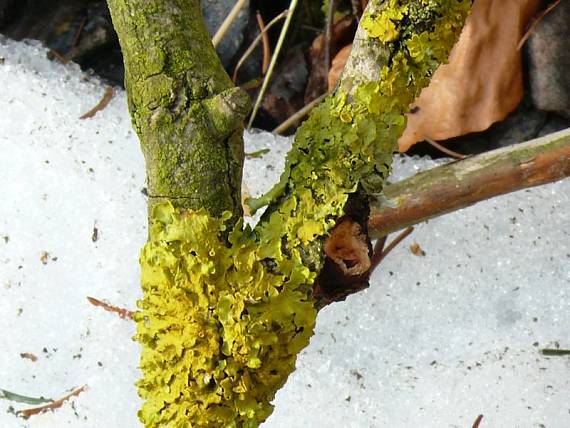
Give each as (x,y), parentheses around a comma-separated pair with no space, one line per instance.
(460,184)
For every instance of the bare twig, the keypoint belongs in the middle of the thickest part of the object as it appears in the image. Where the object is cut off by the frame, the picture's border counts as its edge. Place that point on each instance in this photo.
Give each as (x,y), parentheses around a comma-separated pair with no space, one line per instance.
(377,252)
(56,55)
(380,252)
(462,183)
(280,41)
(444,149)
(394,243)
(292,120)
(535,23)
(356,8)
(78,33)
(26,413)
(227,23)
(329,35)
(265,39)
(256,41)
(123,313)
(107,97)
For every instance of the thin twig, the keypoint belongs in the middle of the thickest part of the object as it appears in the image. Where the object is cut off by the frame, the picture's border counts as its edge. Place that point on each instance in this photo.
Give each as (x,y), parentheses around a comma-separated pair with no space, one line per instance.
(227,23)
(394,243)
(280,41)
(445,149)
(56,55)
(78,33)
(356,9)
(297,116)
(256,41)
(377,252)
(26,413)
(477,421)
(265,39)
(123,313)
(328,36)
(535,23)
(107,97)
(460,184)
(380,255)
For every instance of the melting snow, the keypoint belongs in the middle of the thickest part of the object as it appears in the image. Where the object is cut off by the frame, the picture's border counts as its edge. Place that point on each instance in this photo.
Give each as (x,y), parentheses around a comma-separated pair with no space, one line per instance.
(434,342)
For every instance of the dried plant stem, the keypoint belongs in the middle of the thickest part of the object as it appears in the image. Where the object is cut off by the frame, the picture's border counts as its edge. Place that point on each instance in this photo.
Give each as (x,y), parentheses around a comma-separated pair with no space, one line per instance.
(107,97)
(329,35)
(26,413)
(280,41)
(380,252)
(227,23)
(265,39)
(123,313)
(478,421)
(535,23)
(292,120)
(444,149)
(78,33)
(256,41)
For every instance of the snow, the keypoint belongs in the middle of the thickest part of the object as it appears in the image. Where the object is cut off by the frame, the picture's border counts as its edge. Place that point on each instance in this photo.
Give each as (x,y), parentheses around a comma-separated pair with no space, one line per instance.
(434,342)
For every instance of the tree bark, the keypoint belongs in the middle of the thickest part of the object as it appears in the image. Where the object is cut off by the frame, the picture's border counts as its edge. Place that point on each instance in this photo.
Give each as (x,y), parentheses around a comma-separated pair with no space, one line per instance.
(463,183)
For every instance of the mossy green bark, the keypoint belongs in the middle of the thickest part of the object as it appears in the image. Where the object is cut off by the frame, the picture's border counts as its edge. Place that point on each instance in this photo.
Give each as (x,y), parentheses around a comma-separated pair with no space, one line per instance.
(226,309)
(184,107)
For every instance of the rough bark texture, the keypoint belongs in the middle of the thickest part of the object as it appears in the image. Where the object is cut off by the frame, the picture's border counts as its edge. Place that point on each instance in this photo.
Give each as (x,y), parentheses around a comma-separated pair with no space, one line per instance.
(367,56)
(459,184)
(184,107)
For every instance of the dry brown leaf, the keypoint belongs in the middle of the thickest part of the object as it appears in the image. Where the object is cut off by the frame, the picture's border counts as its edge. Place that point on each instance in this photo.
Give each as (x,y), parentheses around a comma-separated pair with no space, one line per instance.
(29,356)
(337,66)
(483,81)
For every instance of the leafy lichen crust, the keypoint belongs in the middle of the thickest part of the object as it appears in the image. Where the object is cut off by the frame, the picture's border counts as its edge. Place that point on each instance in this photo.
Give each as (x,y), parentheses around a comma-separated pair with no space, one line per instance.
(226,309)
(221,328)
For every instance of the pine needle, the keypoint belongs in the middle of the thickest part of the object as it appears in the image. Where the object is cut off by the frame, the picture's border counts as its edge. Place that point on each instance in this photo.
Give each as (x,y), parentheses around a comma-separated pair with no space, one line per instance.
(12,396)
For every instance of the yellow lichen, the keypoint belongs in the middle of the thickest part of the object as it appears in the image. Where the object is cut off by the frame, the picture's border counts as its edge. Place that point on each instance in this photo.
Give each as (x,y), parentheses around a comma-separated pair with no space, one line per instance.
(225,312)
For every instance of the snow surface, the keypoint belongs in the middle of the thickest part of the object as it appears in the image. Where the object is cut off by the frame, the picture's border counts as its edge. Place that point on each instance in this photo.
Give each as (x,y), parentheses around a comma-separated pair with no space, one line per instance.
(434,342)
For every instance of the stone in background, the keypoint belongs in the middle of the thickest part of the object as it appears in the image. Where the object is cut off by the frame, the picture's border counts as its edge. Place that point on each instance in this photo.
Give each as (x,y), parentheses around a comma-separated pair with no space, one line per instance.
(549,61)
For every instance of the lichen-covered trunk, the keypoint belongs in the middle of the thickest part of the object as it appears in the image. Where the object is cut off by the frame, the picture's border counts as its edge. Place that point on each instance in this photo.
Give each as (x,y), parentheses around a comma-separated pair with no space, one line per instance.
(226,309)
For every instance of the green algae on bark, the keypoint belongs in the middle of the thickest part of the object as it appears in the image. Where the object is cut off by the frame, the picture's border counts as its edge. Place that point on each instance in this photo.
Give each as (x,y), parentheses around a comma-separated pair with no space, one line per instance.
(184,107)
(226,309)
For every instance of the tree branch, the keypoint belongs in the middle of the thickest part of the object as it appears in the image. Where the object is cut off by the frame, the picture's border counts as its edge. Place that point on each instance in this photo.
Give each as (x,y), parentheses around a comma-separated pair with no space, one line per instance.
(185,109)
(227,309)
(463,183)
